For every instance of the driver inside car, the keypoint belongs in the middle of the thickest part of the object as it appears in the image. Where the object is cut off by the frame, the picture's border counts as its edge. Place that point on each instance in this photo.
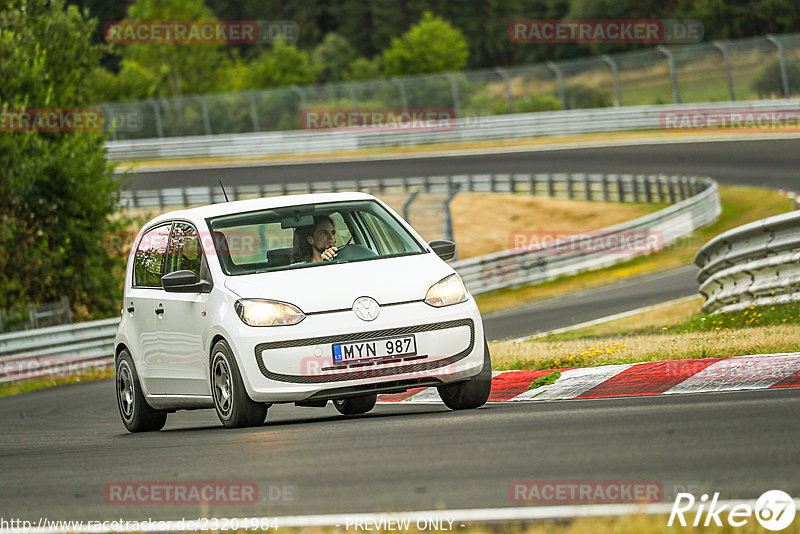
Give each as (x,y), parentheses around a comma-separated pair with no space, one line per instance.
(315,243)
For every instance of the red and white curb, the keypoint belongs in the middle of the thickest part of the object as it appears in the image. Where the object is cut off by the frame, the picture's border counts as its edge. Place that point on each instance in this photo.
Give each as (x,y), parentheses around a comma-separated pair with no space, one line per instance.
(759,371)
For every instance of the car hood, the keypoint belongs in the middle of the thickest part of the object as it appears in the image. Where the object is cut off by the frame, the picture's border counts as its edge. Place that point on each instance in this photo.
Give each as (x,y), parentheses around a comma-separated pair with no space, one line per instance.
(336,286)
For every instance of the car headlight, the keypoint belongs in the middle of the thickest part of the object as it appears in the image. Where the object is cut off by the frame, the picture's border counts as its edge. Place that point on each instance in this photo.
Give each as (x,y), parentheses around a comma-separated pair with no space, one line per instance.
(446,291)
(256,312)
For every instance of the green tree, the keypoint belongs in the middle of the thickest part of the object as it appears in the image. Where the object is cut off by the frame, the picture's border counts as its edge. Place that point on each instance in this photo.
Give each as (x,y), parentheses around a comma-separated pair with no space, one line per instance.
(57,190)
(363,69)
(279,66)
(431,45)
(176,69)
(332,57)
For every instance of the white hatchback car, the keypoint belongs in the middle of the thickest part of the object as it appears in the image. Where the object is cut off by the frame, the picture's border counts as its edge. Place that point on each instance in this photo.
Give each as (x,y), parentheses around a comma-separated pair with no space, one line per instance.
(240,305)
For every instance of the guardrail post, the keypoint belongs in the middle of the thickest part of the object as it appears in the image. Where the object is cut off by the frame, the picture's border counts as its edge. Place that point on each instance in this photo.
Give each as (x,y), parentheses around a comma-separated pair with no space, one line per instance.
(109,123)
(402,90)
(605,188)
(448,221)
(676,93)
(161,199)
(260,189)
(782,60)
(660,185)
(509,96)
(721,47)
(635,185)
(570,193)
(551,188)
(532,184)
(407,205)
(204,108)
(184,198)
(253,112)
(157,115)
(615,75)
(587,187)
(648,193)
(303,101)
(454,89)
(562,92)
(492,186)
(620,189)
(352,95)
(671,188)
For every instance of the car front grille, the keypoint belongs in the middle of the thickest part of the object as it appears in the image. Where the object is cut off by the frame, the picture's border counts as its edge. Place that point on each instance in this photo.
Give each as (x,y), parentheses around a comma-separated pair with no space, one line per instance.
(373,372)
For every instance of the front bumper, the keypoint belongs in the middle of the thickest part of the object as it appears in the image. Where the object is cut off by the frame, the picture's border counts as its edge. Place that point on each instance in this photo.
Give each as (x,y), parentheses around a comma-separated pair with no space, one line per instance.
(289,369)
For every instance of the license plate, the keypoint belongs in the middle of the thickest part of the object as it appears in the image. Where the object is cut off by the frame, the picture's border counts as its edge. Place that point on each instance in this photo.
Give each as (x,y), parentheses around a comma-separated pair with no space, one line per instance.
(388,347)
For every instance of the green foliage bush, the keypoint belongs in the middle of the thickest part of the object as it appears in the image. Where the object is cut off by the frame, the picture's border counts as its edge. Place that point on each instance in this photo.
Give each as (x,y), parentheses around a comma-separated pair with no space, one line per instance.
(581,96)
(769,82)
(57,192)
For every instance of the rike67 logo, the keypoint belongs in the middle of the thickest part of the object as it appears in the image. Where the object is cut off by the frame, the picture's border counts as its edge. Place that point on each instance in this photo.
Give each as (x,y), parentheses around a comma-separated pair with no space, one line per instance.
(774,510)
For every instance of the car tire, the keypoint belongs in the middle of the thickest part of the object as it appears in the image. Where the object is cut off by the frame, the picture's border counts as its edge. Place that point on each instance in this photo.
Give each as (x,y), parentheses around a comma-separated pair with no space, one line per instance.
(356,405)
(470,393)
(137,415)
(233,405)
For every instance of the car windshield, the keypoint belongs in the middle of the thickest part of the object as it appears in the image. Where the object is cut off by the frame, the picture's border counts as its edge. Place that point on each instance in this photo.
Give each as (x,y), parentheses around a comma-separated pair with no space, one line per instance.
(285,238)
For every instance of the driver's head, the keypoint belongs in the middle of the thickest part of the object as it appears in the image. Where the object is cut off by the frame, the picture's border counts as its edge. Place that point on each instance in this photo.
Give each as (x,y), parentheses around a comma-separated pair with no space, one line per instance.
(323,234)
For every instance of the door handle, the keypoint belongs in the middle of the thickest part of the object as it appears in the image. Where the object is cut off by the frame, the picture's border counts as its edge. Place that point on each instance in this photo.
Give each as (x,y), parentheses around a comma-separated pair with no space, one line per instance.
(160,309)
(130,308)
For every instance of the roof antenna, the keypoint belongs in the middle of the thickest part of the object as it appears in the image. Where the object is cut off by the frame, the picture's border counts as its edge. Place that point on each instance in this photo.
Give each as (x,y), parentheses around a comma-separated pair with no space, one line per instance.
(223,190)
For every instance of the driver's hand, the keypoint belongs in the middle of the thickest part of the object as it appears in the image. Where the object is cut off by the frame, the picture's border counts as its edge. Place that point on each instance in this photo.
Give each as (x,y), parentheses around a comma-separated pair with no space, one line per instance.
(329,254)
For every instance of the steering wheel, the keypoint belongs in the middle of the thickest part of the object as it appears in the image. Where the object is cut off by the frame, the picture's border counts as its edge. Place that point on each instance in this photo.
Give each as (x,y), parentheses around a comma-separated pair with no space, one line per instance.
(353,252)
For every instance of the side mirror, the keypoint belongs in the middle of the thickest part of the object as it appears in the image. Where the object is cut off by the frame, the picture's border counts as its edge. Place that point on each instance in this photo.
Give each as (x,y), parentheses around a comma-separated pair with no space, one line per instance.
(444,249)
(184,282)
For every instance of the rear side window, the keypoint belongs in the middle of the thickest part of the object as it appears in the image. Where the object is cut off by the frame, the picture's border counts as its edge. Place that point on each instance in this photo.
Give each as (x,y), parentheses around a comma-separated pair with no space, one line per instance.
(148,262)
(186,251)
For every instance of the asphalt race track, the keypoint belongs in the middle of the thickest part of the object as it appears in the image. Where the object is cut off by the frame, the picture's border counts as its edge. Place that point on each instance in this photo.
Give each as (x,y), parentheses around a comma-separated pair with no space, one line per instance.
(62,447)
(581,306)
(771,164)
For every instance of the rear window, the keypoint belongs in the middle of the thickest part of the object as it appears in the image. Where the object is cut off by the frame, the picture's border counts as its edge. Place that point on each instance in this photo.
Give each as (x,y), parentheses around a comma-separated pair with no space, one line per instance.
(277,239)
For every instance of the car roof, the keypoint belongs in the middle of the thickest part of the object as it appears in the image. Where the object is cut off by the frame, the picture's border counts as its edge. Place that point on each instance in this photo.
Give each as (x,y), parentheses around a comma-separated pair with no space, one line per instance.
(239,206)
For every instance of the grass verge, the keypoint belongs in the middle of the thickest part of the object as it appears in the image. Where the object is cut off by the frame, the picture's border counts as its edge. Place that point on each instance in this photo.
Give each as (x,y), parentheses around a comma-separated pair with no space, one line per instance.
(740,205)
(23,386)
(674,332)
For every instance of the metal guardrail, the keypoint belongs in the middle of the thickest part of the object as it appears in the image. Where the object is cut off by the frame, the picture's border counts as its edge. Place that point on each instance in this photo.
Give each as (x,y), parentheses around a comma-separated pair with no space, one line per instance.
(603,248)
(755,264)
(58,350)
(516,126)
(605,187)
(64,349)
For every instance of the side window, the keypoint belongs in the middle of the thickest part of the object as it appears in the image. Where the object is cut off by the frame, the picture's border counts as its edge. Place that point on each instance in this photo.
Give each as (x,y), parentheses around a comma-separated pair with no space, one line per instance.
(388,241)
(185,250)
(148,263)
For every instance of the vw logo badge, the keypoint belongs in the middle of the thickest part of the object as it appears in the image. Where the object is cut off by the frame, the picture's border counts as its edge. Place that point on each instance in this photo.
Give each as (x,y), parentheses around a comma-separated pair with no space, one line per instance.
(366,308)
